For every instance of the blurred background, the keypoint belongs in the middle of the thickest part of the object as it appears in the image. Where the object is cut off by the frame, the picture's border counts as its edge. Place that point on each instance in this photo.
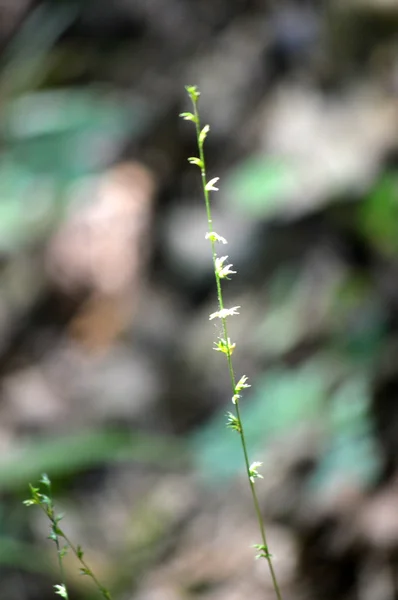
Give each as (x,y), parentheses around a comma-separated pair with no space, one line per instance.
(107,378)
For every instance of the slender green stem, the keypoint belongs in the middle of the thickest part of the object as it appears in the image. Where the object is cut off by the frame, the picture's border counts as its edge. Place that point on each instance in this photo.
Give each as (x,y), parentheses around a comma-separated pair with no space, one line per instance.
(85,566)
(193,93)
(60,564)
(48,509)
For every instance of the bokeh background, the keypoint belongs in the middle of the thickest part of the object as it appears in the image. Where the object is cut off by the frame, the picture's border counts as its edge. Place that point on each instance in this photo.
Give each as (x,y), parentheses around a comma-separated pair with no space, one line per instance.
(107,377)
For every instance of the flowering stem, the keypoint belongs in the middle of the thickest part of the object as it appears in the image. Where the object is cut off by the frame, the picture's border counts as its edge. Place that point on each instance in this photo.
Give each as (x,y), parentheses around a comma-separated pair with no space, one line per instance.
(225,346)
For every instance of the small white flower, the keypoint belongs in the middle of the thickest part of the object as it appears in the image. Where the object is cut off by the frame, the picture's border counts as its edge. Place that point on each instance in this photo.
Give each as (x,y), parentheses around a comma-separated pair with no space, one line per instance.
(239,387)
(253,474)
(226,347)
(210,187)
(214,237)
(236,398)
(242,383)
(224,313)
(61,591)
(223,270)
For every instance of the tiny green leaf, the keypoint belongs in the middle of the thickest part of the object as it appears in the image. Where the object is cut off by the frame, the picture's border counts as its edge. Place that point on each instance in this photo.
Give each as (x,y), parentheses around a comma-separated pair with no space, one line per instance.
(193,92)
(45,480)
(59,517)
(263,551)
(34,490)
(187,116)
(193,160)
(63,551)
(45,499)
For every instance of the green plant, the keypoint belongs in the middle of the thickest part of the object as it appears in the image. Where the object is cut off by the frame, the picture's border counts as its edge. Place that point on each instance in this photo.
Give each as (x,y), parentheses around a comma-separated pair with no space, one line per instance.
(224,344)
(45,502)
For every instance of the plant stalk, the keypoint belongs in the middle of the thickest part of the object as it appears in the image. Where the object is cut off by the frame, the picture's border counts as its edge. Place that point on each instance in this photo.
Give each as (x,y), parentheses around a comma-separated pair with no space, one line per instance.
(206,195)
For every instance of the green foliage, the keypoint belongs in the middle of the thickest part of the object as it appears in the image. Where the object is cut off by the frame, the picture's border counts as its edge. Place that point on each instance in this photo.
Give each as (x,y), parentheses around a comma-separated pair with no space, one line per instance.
(19,226)
(51,137)
(260,185)
(263,551)
(378,215)
(14,553)
(287,320)
(60,133)
(56,137)
(357,320)
(342,311)
(24,60)
(351,453)
(70,453)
